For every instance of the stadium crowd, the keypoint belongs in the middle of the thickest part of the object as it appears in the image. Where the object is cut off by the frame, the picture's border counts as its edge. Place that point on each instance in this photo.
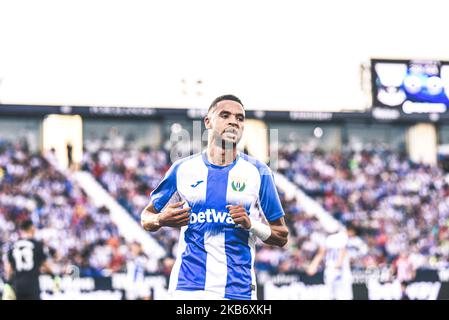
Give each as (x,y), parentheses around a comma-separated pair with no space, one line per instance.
(395,206)
(130,175)
(399,209)
(78,235)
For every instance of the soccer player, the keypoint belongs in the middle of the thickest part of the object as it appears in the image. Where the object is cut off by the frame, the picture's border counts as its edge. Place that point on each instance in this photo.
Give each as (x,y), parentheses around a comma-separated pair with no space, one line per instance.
(25,261)
(337,271)
(219,198)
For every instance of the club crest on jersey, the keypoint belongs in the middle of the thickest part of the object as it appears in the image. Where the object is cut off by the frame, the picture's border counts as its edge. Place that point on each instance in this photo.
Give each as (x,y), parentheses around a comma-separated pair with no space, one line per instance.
(238,185)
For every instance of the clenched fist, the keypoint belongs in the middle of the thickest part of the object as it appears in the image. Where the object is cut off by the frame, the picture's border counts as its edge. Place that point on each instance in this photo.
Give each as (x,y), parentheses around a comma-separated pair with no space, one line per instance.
(239,215)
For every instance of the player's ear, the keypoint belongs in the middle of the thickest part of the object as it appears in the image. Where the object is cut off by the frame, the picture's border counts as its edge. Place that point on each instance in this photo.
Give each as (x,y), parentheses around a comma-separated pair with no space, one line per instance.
(207,122)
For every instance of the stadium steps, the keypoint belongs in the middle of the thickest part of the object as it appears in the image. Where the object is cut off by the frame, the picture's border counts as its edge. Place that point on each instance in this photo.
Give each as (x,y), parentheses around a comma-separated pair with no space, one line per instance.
(127,226)
(309,205)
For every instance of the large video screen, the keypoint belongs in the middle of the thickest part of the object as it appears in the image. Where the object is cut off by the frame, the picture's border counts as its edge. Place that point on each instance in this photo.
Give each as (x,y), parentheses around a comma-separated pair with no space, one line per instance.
(413,85)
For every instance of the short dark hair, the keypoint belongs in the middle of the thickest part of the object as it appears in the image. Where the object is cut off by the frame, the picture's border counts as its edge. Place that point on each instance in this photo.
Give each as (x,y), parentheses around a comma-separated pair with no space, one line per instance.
(351,226)
(26,225)
(222,98)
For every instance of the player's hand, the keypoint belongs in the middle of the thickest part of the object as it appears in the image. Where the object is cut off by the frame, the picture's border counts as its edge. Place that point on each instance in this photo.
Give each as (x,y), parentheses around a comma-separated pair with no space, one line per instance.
(239,215)
(174,215)
(310,270)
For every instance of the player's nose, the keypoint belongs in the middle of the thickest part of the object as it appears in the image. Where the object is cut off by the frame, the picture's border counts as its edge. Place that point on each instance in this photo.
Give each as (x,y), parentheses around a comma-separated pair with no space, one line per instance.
(233,122)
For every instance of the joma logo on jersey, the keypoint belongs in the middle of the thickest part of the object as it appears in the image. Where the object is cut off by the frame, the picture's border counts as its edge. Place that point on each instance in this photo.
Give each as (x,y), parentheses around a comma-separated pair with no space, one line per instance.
(238,185)
(211,216)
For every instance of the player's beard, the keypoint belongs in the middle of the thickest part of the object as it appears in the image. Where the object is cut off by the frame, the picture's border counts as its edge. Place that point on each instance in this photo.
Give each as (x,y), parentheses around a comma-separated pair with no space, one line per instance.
(226,145)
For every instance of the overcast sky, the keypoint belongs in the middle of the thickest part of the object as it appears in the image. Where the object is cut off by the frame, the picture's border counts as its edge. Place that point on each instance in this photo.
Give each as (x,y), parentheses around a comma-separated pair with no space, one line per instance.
(274,54)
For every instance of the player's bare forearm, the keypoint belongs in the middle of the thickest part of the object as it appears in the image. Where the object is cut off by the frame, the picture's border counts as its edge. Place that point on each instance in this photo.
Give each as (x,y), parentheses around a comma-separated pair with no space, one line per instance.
(46,268)
(149,218)
(279,233)
(8,271)
(313,266)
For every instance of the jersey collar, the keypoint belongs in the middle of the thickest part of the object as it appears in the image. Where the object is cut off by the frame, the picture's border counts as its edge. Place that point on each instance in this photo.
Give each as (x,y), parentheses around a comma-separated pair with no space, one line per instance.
(214,166)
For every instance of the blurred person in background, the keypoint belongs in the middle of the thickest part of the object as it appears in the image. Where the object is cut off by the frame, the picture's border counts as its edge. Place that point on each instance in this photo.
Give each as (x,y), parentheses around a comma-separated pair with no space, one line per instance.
(69,155)
(403,269)
(136,267)
(404,295)
(357,249)
(337,270)
(25,261)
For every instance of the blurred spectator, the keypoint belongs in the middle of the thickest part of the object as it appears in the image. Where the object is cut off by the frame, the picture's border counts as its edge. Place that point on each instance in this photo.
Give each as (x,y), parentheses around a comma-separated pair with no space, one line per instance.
(390,204)
(77,232)
(403,268)
(397,205)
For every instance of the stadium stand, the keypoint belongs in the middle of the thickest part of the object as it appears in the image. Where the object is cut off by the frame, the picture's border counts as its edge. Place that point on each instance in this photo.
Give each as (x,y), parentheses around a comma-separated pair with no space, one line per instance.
(78,234)
(396,205)
(399,206)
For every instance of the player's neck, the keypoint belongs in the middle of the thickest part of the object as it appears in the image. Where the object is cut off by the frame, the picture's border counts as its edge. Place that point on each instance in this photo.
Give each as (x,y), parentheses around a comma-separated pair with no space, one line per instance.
(221,156)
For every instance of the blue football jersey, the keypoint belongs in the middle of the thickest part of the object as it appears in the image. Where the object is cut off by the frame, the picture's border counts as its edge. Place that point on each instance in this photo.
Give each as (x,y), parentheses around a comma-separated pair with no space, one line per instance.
(214,254)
